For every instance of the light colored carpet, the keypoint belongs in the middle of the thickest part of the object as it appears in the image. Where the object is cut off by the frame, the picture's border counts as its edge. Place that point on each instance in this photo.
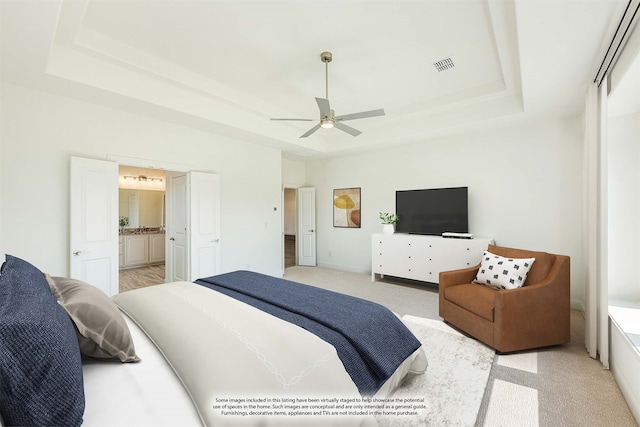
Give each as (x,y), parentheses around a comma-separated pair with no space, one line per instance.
(555,386)
(455,380)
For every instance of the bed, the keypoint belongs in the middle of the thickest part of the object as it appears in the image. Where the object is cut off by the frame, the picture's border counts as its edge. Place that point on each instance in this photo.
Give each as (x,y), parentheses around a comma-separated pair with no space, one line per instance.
(190,354)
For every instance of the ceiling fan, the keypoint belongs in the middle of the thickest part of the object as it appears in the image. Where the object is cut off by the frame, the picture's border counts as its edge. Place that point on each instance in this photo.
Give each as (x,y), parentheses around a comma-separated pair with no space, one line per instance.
(328,119)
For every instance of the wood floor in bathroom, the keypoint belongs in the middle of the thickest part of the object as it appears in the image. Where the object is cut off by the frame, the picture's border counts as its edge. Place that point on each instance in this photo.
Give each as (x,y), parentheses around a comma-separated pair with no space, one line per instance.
(289,250)
(134,278)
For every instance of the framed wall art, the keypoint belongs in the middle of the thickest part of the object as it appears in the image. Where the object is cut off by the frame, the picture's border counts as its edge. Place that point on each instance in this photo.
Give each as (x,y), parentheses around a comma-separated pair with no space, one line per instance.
(346,207)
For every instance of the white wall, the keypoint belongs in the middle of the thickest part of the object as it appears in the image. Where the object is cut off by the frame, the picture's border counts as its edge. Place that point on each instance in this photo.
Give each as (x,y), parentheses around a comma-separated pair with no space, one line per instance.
(41,131)
(293,173)
(624,207)
(525,190)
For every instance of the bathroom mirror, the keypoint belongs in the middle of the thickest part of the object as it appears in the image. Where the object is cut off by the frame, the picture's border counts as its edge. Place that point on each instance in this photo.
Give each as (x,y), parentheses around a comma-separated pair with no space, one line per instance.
(144,208)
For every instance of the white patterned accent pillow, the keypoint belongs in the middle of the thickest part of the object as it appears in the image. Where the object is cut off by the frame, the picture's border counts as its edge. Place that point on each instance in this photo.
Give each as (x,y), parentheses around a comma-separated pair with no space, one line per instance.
(503,273)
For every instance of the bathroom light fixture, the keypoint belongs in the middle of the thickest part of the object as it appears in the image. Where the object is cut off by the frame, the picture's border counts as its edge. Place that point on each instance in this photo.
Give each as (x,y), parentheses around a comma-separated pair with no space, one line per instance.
(142,178)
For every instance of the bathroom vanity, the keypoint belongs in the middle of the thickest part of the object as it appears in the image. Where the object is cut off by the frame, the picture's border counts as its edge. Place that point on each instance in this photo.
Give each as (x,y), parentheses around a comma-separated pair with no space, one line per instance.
(140,248)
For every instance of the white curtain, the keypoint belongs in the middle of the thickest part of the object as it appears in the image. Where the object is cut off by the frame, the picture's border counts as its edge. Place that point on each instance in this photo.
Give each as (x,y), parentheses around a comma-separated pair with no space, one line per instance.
(625,43)
(596,298)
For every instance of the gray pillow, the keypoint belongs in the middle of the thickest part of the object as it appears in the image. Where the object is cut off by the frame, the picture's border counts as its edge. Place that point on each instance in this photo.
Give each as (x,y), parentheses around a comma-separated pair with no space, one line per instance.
(102,331)
(41,380)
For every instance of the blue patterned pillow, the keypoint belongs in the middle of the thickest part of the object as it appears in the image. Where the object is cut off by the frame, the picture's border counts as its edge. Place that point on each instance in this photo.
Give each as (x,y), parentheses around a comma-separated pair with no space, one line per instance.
(40,365)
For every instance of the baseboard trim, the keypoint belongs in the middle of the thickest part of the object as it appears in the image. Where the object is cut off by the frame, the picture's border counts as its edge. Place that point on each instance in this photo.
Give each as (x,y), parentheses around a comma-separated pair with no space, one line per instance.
(342,268)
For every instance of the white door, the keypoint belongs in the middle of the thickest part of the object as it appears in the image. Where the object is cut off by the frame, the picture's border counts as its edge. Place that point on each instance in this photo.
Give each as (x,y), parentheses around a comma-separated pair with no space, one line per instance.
(307,226)
(204,192)
(177,267)
(94,223)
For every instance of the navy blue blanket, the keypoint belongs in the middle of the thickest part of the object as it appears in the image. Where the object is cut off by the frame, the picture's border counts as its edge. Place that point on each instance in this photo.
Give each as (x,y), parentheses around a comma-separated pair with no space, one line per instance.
(370,340)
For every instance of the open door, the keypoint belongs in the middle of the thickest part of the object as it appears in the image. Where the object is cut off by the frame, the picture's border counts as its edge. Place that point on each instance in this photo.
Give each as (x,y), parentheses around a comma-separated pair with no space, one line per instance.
(177,238)
(93,223)
(193,226)
(307,226)
(204,194)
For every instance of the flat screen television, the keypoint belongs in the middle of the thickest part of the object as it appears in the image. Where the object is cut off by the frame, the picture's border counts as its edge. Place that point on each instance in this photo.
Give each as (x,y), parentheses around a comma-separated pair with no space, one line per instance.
(433,211)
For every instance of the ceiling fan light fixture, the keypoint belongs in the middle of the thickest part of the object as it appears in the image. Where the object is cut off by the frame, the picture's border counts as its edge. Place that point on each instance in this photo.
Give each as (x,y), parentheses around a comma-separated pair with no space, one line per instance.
(327,123)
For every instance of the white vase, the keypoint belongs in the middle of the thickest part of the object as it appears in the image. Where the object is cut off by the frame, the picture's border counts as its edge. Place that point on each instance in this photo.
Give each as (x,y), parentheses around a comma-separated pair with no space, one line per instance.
(388,229)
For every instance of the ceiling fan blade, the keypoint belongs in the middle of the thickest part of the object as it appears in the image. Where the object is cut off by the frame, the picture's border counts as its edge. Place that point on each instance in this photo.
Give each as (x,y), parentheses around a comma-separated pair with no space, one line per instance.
(310,131)
(361,115)
(297,120)
(325,109)
(348,129)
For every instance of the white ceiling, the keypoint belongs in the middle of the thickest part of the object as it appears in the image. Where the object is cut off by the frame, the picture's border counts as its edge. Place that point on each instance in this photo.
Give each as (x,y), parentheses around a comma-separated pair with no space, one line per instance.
(228,66)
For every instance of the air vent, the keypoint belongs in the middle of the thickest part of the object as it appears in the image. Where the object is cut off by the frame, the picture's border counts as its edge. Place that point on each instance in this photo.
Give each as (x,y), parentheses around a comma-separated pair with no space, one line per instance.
(444,64)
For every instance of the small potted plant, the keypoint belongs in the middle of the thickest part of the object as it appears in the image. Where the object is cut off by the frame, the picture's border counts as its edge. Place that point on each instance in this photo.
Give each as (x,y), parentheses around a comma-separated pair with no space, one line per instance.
(388,221)
(124,222)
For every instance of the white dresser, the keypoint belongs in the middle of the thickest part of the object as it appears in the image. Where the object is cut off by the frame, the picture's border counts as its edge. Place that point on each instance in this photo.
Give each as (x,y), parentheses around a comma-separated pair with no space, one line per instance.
(420,257)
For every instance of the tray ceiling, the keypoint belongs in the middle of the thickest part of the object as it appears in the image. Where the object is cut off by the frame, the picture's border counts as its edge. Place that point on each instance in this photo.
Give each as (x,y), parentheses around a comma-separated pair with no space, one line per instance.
(228,66)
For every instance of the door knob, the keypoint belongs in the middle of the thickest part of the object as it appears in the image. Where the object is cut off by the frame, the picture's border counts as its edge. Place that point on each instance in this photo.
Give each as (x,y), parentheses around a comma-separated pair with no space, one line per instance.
(76,253)
(173,238)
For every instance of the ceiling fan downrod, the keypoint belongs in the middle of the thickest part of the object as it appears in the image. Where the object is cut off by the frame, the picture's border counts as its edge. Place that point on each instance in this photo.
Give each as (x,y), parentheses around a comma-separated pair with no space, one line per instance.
(326,57)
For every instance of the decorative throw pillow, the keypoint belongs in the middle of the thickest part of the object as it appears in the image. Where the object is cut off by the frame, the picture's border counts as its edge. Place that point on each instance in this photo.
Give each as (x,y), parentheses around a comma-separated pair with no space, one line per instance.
(41,380)
(503,273)
(102,331)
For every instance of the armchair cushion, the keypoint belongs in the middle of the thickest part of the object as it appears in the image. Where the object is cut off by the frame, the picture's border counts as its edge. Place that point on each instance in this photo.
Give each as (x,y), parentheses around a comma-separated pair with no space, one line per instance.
(479,300)
(503,273)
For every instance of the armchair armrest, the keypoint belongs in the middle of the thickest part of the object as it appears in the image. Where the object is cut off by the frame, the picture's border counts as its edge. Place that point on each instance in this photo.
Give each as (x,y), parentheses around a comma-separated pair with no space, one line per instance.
(457,277)
(538,313)
(452,278)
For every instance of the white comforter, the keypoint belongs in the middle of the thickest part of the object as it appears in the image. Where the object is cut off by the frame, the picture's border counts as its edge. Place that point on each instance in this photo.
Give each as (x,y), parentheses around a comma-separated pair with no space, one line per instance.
(224,351)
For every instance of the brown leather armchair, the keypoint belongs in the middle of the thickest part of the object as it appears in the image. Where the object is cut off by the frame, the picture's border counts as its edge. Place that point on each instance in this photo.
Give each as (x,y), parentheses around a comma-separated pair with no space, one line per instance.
(535,315)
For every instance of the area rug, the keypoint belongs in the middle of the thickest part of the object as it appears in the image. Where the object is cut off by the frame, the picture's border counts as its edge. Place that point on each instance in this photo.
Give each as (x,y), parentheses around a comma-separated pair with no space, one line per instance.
(455,380)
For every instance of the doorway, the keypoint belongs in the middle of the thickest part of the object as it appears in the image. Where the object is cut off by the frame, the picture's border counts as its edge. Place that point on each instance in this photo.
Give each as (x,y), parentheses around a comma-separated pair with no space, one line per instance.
(290,227)
(299,226)
(94,233)
(142,215)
